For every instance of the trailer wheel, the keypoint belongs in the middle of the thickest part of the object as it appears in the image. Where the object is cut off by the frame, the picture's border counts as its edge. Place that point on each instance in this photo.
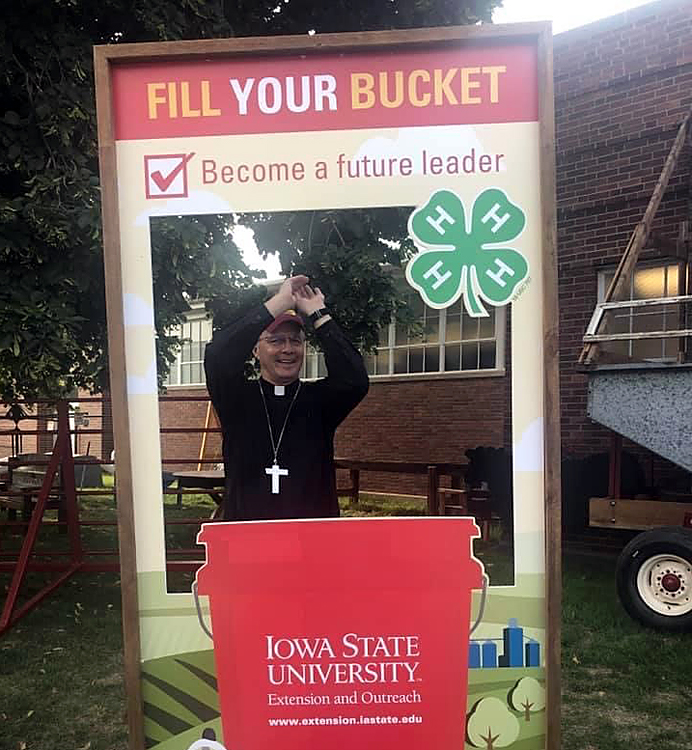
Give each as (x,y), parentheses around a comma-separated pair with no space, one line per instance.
(654,578)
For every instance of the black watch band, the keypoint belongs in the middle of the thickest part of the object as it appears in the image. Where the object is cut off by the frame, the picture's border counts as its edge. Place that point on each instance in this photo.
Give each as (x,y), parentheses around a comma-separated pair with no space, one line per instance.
(315,316)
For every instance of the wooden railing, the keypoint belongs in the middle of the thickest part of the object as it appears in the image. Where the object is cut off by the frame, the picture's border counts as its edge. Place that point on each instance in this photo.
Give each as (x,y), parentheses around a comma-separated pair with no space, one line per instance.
(435,494)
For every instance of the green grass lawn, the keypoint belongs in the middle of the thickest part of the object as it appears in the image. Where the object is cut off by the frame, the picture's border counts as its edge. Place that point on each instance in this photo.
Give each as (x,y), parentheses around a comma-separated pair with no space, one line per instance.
(61,688)
(624,687)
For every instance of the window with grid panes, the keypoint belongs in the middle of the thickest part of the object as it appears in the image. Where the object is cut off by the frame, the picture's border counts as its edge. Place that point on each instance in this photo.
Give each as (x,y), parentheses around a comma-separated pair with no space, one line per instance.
(313,364)
(447,340)
(650,282)
(188,368)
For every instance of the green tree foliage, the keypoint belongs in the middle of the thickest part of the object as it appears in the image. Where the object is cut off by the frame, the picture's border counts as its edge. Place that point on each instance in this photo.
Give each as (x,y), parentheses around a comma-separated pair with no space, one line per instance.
(52,308)
(350,255)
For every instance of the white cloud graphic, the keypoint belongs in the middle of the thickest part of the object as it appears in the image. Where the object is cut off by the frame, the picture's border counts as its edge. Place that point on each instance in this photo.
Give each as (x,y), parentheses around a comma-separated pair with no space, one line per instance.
(197,202)
(144,385)
(443,141)
(528,452)
(137,312)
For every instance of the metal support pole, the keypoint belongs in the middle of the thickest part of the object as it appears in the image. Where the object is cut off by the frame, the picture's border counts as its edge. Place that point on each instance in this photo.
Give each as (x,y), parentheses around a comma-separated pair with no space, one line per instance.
(29,541)
(615,474)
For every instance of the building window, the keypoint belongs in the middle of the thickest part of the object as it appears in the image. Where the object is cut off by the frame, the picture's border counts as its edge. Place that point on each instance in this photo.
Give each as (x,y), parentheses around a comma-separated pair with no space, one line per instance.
(188,368)
(313,365)
(447,340)
(648,282)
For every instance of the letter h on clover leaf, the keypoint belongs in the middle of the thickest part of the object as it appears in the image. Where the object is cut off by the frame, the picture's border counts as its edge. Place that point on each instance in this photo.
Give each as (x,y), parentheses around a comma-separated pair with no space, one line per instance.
(454,259)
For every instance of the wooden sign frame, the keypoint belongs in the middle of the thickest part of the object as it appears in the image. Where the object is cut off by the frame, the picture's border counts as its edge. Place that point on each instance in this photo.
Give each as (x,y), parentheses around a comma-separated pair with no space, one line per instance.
(107,60)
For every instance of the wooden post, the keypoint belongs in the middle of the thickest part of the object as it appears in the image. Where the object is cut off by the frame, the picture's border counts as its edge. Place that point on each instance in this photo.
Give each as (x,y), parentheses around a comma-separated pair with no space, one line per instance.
(433,486)
(551,398)
(354,478)
(118,394)
(68,502)
(203,446)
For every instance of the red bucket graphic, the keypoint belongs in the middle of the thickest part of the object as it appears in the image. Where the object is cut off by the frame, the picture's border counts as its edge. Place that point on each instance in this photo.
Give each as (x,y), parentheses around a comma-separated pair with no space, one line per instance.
(341,633)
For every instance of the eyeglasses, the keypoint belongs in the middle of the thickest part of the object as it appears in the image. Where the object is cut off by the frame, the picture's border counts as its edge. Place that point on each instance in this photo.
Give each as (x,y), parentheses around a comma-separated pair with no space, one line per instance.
(279,341)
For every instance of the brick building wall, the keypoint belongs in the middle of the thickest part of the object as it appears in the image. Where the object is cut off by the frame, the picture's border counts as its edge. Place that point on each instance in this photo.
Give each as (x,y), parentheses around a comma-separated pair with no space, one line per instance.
(392,424)
(622,87)
(28,442)
(430,421)
(188,412)
(91,418)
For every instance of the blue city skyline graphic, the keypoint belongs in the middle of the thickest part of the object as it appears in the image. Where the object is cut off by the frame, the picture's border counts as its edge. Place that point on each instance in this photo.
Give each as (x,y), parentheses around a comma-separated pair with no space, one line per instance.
(518,650)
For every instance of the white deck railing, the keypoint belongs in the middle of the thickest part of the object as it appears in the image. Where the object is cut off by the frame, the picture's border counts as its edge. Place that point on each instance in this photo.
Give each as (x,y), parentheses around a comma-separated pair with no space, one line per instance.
(592,337)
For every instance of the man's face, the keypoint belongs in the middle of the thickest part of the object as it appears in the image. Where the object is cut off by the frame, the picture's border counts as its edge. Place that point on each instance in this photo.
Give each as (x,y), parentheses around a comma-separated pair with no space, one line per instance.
(281,353)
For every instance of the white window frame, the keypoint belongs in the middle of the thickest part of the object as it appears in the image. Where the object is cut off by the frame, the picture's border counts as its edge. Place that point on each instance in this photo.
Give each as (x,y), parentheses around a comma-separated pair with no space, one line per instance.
(311,364)
(442,373)
(632,312)
(313,357)
(196,315)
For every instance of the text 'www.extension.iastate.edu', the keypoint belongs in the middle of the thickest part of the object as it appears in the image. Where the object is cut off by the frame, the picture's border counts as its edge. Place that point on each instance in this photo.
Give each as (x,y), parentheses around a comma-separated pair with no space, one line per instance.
(336,721)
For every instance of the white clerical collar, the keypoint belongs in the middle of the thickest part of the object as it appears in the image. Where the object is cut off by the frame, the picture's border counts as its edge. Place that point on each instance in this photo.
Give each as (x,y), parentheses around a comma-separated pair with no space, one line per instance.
(279,390)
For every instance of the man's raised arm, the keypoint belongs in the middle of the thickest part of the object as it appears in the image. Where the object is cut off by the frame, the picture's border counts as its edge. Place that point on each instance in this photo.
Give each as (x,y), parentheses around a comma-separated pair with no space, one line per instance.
(347,379)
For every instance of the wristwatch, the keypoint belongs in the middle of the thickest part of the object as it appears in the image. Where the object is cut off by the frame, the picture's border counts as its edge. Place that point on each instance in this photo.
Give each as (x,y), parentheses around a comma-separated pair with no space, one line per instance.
(315,316)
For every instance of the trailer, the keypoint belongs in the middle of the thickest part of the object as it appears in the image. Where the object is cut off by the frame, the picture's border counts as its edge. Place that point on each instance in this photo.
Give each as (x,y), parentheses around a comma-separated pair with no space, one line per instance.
(654,571)
(645,396)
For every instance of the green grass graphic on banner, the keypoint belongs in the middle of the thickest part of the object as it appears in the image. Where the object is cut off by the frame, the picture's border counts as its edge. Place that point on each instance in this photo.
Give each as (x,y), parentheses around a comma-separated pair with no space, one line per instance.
(179,697)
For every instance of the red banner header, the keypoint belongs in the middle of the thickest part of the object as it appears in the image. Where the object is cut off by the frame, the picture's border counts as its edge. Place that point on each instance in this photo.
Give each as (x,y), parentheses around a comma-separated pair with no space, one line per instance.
(434,86)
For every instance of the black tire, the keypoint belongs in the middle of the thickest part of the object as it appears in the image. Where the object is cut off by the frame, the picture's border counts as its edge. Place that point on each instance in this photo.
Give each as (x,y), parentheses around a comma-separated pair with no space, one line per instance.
(654,578)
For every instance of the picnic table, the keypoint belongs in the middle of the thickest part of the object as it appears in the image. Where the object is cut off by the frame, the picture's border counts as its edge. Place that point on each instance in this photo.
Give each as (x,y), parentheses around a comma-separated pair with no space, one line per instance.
(210,482)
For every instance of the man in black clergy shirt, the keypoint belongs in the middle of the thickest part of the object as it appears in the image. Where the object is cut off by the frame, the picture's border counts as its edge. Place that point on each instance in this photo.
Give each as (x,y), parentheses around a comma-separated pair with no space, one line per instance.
(278,433)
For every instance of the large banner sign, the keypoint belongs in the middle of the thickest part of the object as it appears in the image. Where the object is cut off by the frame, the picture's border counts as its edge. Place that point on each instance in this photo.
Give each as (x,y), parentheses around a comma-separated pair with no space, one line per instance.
(346,633)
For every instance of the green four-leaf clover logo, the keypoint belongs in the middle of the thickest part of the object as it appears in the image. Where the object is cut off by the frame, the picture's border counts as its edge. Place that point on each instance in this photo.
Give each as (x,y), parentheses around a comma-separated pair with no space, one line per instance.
(455,260)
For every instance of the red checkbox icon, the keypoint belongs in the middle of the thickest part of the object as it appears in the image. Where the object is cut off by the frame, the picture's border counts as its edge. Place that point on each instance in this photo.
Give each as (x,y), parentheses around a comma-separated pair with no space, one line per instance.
(165,175)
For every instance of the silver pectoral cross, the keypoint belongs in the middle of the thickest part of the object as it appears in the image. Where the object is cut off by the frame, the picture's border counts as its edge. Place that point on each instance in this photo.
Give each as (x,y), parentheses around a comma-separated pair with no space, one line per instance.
(275,473)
